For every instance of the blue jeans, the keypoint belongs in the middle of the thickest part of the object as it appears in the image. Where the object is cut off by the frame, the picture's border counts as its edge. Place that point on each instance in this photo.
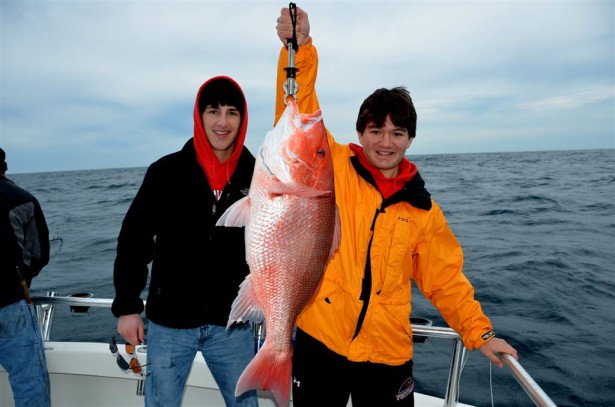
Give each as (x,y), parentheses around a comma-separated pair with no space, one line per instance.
(22,355)
(170,353)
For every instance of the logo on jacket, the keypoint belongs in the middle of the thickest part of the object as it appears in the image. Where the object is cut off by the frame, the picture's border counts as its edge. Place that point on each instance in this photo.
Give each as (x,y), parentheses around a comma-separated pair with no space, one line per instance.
(487,335)
(245,191)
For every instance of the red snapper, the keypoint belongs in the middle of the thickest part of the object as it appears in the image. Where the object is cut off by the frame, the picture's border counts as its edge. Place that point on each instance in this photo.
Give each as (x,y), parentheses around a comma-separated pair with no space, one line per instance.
(292,228)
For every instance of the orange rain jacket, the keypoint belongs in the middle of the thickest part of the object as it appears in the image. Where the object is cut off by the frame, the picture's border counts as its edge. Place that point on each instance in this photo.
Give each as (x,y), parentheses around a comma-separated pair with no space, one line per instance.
(407,243)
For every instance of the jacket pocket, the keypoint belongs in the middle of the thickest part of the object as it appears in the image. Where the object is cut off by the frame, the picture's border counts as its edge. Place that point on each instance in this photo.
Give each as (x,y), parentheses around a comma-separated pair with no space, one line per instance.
(14,320)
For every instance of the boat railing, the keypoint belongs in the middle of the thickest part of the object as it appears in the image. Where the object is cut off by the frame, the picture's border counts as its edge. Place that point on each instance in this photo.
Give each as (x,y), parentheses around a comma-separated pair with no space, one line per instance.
(81,302)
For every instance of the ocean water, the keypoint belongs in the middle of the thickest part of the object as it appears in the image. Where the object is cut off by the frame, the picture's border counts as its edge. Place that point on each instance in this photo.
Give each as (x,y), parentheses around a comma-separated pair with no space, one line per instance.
(538,231)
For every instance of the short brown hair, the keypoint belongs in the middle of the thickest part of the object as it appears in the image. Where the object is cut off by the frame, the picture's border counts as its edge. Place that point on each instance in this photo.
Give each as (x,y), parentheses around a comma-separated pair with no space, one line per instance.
(395,102)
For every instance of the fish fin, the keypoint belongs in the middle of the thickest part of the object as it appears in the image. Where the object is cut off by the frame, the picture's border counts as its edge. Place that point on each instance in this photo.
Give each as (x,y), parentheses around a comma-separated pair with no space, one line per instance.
(337,233)
(268,371)
(244,306)
(238,214)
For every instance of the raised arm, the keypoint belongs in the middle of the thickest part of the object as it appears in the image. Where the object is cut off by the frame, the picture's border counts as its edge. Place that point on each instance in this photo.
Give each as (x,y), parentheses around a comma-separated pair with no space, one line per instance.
(306,62)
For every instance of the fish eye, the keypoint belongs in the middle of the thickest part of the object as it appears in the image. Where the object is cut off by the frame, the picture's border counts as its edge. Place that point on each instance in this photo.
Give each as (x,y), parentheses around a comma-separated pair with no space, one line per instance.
(321,152)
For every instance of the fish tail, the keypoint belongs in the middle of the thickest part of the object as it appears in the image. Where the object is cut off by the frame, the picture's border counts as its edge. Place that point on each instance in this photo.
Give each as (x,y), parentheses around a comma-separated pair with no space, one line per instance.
(268,371)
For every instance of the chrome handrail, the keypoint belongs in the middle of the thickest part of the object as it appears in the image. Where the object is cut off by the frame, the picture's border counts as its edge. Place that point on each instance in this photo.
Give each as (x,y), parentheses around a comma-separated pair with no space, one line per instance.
(531,388)
(45,308)
(76,301)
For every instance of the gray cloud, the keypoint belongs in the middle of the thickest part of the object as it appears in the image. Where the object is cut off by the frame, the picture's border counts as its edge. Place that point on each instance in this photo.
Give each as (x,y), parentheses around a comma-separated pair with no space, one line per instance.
(104,84)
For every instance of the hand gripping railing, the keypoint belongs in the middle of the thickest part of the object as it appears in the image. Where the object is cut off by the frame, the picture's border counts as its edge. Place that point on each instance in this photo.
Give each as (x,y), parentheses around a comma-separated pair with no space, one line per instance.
(533,390)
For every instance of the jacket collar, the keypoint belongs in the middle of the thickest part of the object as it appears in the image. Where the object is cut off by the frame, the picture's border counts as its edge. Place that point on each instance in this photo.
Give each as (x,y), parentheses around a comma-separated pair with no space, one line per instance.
(413,191)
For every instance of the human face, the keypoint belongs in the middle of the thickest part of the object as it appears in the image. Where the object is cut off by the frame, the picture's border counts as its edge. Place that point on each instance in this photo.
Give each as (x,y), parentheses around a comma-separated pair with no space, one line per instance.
(385,146)
(221,125)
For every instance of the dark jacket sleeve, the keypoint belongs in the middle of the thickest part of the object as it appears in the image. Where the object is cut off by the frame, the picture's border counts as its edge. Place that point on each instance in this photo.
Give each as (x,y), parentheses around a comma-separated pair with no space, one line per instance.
(135,250)
(24,240)
(40,255)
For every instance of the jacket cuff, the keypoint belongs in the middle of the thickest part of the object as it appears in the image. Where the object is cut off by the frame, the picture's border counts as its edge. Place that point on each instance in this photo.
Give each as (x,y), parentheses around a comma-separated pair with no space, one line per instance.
(485,337)
(122,306)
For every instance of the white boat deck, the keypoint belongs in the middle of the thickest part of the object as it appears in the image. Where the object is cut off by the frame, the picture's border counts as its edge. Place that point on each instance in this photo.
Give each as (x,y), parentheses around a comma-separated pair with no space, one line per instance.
(86,374)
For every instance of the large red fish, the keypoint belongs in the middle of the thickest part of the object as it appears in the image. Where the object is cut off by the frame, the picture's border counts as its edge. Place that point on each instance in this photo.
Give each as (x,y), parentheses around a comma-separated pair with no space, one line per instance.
(292,228)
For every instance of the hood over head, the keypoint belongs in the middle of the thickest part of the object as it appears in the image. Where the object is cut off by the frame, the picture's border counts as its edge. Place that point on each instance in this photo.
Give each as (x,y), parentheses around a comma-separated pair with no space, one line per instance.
(225,91)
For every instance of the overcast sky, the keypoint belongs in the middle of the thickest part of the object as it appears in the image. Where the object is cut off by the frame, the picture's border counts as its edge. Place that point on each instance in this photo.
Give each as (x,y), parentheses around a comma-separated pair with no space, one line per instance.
(111,84)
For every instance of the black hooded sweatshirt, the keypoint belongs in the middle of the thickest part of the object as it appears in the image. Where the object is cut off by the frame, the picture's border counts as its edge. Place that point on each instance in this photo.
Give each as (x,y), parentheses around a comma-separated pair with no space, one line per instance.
(196,267)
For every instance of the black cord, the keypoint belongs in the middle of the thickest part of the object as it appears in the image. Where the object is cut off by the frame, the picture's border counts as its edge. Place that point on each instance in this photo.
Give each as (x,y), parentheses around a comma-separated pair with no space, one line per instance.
(292,7)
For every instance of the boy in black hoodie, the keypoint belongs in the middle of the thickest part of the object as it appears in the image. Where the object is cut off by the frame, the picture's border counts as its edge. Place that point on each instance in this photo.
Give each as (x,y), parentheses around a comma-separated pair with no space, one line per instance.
(171,224)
